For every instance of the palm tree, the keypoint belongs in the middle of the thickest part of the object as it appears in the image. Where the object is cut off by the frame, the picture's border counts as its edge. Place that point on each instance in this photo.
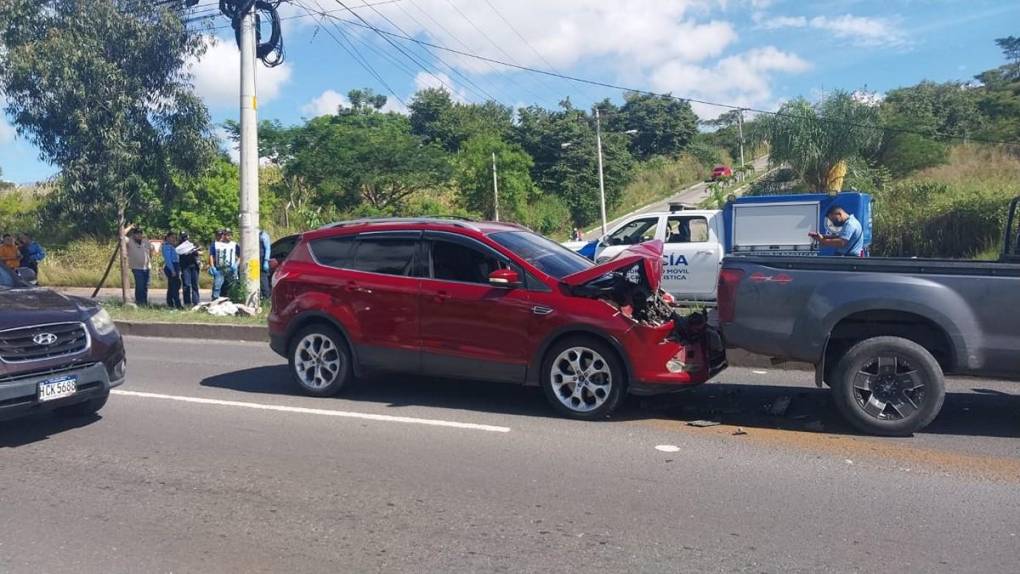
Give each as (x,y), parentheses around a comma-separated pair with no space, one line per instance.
(817,140)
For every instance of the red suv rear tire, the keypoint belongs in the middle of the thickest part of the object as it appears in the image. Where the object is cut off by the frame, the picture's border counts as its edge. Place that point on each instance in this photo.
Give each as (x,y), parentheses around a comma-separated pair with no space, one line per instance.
(320,360)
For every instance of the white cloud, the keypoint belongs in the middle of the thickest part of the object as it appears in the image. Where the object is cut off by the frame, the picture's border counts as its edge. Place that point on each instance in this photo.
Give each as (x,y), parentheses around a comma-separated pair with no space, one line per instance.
(741,80)
(326,104)
(439,80)
(645,33)
(857,30)
(217,75)
(861,30)
(682,46)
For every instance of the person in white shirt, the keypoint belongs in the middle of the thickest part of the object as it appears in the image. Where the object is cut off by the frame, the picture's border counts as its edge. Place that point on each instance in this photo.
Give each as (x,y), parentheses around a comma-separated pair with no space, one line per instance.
(139,256)
(223,258)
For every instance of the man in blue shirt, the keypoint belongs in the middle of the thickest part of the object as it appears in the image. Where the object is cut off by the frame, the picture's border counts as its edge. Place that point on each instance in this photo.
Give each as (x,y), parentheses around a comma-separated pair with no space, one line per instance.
(265,245)
(172,270)
(849,240)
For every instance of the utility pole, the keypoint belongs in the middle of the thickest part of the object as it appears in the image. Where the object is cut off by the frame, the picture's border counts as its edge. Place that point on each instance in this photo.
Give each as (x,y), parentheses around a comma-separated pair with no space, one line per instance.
(495,187)
(602,183)
(740,129)
(250,267)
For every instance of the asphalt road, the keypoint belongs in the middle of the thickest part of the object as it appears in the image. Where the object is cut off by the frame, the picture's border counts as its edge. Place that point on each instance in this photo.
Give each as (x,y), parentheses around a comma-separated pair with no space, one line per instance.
(692,195)
(207,461)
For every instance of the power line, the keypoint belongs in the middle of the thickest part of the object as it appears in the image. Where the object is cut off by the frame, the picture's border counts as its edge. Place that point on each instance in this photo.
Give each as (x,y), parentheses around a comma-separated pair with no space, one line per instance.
(517,32)
(297,16)
(471,84)
(488,38)
(356,55)
(612,86)
(489,84)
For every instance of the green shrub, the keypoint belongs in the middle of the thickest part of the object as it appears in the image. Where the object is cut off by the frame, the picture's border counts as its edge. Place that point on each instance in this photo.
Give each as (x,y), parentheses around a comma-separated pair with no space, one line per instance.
(956,210)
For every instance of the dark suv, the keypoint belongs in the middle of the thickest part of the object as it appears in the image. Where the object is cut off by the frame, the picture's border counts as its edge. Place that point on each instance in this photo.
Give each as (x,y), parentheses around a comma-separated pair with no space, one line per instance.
(483,301)
(56,352)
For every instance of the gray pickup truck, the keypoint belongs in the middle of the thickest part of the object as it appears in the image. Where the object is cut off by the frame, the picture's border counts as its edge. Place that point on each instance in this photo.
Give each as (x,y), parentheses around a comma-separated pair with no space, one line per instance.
(881,332)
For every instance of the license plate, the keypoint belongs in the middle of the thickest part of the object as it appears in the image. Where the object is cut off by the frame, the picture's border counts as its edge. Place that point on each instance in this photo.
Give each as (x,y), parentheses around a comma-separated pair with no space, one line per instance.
(57,388)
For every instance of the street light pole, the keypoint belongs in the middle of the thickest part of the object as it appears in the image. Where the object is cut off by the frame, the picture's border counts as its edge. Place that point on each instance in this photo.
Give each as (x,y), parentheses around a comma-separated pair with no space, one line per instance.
(495,187)
(740,129)
(250,267)
(602,183)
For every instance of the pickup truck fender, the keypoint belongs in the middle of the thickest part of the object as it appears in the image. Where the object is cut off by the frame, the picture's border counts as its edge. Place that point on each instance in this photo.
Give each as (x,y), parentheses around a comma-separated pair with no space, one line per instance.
(832,302)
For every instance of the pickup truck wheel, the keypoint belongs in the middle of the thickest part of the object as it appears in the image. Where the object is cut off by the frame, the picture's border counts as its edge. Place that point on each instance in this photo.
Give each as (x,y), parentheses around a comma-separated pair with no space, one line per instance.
(84,408)
(320,361)
(888,386)
(583,378)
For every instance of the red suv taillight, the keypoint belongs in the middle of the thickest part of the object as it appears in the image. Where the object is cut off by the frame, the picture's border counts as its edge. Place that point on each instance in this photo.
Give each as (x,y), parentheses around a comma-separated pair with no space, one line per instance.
(727,296)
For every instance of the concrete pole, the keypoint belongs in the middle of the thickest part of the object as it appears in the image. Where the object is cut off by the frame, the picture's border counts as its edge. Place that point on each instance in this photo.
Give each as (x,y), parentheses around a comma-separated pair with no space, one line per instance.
(250,266)
(495,187)
(602,183)
(740,128)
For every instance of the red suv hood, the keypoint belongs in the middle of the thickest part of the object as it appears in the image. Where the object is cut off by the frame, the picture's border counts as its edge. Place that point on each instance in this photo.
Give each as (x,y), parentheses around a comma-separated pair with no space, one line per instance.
(649,253)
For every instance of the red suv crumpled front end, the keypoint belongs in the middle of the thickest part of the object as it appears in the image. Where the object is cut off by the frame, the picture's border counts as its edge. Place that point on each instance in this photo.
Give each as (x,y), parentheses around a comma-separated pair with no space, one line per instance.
(664,347)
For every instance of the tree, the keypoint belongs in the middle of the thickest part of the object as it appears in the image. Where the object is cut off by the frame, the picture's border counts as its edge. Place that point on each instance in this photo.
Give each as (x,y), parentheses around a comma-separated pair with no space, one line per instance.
(817,140)
(474,176)
(1010,47)
(436,118)
(563,146)
(101,88)
(365,157)
(664,125)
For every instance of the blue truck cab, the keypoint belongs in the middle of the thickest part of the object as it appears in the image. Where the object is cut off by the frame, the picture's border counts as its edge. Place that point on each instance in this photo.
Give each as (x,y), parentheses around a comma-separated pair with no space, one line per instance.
(779,224)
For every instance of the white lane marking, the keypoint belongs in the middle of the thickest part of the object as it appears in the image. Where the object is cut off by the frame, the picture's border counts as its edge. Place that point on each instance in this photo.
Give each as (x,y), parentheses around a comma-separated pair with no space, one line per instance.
(667,448)
(307,411)
(760,372)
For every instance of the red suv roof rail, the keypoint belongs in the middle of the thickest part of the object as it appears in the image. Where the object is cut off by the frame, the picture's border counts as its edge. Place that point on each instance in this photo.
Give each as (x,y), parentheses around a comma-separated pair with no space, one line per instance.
(464,223)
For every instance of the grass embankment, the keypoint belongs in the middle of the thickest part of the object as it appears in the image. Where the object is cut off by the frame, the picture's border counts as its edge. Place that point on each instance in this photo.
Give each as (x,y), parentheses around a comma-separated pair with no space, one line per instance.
(956,210)
(658,179)
(164,315)
(81,264)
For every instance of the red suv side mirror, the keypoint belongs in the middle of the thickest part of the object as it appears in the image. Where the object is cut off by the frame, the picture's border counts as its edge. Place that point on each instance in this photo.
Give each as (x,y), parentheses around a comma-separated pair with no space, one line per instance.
(504,278)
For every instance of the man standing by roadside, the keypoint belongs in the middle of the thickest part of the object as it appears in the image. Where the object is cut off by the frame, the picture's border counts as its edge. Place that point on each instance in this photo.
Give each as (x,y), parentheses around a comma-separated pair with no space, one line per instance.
(223,258)
(265,247)
(31,253)
(172,270)
(849,240)
(189,253)
(139,254)
(10,255)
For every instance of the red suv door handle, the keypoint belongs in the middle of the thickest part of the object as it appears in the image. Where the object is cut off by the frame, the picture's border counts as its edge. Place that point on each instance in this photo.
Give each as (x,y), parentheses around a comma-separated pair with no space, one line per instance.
(440,296)
(353,288)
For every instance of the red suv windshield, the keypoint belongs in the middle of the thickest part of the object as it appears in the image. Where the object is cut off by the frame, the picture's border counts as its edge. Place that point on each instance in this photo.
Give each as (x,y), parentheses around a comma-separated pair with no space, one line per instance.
(548,256)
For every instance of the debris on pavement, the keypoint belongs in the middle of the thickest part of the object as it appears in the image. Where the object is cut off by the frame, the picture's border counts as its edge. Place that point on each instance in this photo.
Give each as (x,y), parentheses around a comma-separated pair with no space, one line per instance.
(667,448)
(224,307)
(700,423)
(739,432)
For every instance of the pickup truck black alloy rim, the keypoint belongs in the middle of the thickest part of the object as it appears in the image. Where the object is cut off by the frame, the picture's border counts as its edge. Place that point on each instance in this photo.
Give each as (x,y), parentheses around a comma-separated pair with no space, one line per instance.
(889,388)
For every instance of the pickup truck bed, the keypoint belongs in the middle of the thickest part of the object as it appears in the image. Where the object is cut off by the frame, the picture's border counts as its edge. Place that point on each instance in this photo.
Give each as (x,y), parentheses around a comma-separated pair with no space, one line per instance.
(960,317)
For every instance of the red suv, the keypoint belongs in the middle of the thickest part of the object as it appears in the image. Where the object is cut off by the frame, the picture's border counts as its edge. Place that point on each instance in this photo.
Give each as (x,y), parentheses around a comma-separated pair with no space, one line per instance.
(483,301)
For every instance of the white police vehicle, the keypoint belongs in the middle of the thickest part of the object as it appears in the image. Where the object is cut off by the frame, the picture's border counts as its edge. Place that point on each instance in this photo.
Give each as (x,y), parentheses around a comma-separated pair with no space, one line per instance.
(692,248)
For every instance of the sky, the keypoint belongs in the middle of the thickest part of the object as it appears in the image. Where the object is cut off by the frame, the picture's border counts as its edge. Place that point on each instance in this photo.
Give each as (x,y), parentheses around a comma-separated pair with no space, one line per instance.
(748,53)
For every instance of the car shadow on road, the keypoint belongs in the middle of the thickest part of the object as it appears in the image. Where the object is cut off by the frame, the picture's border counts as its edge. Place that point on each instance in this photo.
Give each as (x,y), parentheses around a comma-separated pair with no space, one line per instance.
(797,408)
(39,427)
(396,391)
(993,414)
